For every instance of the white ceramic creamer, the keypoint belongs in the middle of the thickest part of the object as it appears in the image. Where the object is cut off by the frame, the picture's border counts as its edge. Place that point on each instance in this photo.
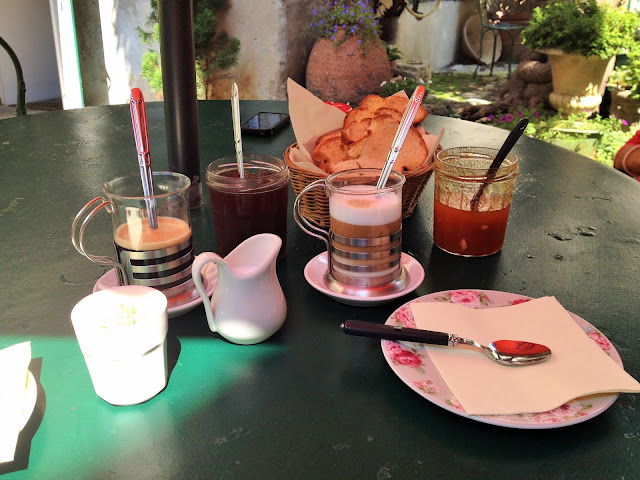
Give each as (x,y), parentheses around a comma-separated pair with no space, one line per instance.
(247,305)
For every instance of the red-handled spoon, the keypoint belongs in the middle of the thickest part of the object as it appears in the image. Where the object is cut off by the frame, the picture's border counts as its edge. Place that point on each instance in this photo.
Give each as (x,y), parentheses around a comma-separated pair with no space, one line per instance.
(139,122)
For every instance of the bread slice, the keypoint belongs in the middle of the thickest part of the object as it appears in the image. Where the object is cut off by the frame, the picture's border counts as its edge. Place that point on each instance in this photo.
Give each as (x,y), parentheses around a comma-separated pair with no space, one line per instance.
(400,104)
(366,137)
(329,148)
(372,151)
(372,102)
(357,123)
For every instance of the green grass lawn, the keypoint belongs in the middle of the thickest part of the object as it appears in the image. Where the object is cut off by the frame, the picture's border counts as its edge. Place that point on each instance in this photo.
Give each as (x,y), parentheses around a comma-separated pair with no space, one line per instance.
(596,137)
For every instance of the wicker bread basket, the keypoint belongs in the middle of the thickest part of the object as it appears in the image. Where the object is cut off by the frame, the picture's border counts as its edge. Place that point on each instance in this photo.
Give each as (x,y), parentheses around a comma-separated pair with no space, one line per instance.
(315,205)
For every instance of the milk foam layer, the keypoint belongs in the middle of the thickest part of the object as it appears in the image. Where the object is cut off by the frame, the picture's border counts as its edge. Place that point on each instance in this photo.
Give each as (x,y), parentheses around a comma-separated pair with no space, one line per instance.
(365,209)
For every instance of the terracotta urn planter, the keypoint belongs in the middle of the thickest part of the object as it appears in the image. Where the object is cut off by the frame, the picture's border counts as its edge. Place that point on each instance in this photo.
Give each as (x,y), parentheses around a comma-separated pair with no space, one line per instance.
(577,81)
(344,72)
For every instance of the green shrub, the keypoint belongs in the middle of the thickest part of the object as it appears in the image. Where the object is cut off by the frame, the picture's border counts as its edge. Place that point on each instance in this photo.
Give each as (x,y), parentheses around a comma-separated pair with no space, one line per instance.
(393,53)
(627,75)
(545,125)
(582,27)
(406,84)
(215,50)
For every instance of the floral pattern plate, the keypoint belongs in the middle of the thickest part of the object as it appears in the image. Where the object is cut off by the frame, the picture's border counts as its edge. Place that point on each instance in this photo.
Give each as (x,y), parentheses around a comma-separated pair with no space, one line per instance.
(412,364)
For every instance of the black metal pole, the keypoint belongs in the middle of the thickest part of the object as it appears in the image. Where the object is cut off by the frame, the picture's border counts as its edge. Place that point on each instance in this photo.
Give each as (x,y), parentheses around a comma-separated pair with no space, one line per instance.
(177,54)
(21,106)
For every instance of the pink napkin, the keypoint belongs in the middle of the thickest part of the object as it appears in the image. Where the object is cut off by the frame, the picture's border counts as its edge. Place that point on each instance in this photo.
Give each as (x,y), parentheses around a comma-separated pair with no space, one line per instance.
(577,367)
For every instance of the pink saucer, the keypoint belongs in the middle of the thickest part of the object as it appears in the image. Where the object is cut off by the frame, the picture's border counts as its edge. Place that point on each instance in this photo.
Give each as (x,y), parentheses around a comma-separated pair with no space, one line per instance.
(316,268)
(210,278)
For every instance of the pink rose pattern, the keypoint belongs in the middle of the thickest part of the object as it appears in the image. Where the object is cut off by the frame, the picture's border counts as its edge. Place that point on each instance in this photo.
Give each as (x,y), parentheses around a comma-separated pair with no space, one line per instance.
(601,340)
(454,403)
(426,386)
(401,356)
(468,298)
(562,414)
(405,318)
(475,299)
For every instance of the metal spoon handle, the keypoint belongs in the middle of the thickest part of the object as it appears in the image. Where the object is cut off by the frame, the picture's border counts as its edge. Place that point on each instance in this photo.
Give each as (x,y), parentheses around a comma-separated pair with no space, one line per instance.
(390,332)
(237,136)
(141,136)
(401,134)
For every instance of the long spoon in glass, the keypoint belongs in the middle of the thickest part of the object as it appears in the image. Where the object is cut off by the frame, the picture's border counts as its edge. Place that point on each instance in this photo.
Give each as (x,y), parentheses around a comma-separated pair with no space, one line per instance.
(237,136)
(139,121)
(505,352)
(401,134)
(506,147)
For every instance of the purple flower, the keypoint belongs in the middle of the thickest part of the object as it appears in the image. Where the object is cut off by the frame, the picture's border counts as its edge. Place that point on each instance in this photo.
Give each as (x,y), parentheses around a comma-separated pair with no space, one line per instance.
(625,123)
(490,117)
(509,117)
(536,114)
(519,113)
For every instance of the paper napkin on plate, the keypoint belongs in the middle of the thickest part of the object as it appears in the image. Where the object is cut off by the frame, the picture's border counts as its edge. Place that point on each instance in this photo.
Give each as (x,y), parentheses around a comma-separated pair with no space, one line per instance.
(577,367)
(14,368)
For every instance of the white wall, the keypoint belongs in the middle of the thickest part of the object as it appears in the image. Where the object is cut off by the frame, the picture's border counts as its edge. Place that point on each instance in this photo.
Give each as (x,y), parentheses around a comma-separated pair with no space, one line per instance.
(122,47)
(435,39)
(26,27)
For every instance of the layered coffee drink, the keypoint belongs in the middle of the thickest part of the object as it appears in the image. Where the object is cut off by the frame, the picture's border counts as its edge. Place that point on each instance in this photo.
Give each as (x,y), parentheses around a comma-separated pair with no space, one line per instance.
(159,257)
(366,235)
(364,241)
(139,236)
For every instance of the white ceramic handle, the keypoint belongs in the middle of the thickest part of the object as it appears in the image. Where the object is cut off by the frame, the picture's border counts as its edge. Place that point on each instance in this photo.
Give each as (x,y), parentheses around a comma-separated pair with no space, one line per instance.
(196,268)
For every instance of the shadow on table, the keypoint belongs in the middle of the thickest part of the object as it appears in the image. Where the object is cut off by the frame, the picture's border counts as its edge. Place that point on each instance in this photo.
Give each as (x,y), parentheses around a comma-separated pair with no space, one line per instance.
(449,272)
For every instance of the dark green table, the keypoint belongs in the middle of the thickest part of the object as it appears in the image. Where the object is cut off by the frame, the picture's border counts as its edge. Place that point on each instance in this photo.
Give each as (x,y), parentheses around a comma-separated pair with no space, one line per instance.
(310,402)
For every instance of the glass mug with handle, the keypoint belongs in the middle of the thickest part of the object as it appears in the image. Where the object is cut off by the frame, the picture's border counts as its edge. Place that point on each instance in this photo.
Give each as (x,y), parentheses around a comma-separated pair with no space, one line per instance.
(154,257)
(364,241)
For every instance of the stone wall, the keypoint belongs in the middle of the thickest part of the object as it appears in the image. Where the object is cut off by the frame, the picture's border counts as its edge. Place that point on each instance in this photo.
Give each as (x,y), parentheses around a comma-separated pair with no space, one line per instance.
(434,40)
(273,44)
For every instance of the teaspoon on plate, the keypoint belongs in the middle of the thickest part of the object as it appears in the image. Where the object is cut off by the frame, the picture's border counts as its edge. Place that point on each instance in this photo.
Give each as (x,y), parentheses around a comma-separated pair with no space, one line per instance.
(505,352)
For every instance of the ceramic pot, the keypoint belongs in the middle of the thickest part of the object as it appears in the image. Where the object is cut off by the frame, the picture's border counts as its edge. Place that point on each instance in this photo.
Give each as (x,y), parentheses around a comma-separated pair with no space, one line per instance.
(577,81)
(345,72)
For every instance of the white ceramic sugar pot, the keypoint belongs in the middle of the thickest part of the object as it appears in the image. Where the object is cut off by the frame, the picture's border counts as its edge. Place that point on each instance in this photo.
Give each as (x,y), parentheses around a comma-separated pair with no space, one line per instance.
(247,305)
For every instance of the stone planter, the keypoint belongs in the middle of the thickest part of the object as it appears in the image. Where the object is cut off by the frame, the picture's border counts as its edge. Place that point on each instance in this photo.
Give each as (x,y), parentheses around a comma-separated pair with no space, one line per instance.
(578,138)
(624,107)
(345,72)
(577,81)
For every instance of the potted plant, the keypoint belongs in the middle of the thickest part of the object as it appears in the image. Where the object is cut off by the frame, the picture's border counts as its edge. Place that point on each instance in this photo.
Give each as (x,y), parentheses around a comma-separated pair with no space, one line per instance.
(581,38)
(348,60)
(625,91)
(215,50)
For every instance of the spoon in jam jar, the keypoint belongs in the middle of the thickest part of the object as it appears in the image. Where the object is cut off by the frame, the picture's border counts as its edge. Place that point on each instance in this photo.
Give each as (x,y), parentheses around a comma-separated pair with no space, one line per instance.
(505,352)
